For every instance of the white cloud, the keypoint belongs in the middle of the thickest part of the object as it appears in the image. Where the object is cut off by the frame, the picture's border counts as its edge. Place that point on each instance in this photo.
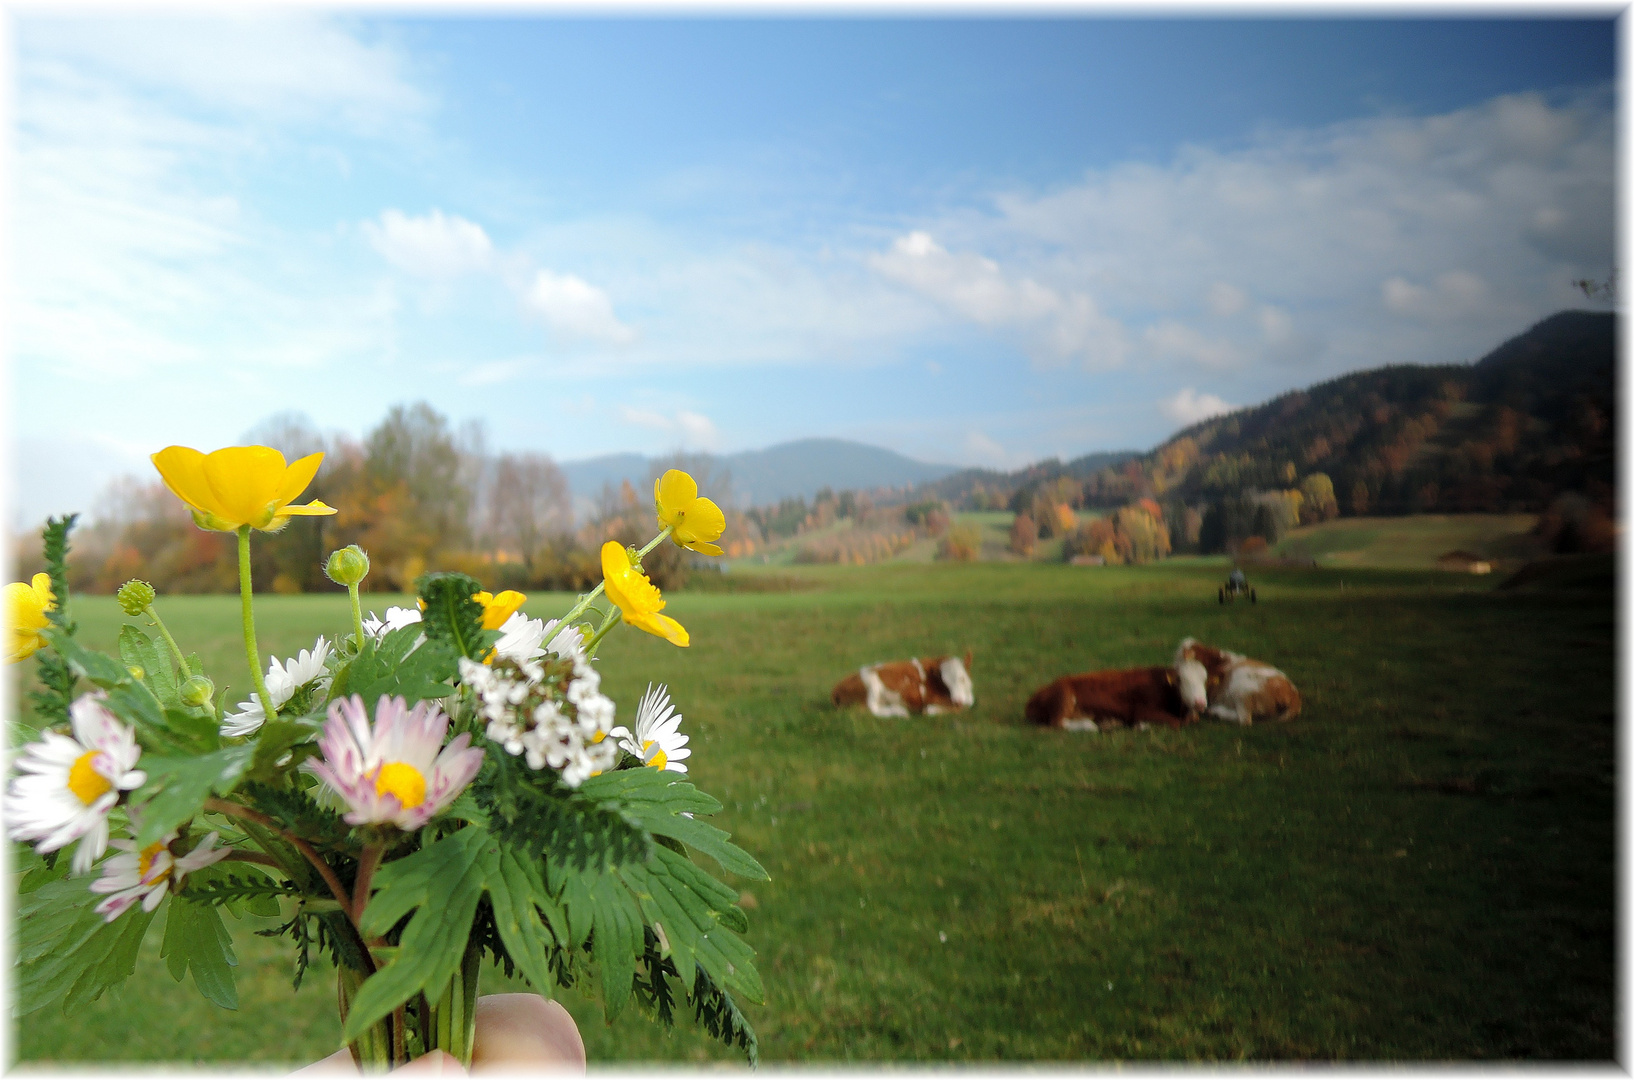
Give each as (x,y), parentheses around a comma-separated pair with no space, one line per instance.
(1225,299)
(1177,341)
(286,64)
(574,308)
(1188,406)
(1053,325)
(694,430)
(1477,219)
(986,450)
(494,372)
(1453,295)
(432,246)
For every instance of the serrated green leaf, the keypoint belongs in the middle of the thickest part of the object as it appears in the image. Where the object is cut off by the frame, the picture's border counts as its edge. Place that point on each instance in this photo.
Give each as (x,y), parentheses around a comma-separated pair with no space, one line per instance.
(103,670)
(195,940)
(275,738)
(698,914)
(515,890)
(442,887)
(452,614)
(657,801)
(138,650)
(177,787)
(393,667)
(618,938)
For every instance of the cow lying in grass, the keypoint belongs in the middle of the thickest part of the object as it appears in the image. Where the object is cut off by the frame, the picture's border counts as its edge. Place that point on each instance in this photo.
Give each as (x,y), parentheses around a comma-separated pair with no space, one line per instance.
(1239,689)
(906,687)
(1101,699)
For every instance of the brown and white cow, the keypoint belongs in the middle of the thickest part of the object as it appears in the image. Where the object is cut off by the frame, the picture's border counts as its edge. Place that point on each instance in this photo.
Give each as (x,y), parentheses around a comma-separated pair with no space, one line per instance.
(1101,699)
(905,687)
(1239,689)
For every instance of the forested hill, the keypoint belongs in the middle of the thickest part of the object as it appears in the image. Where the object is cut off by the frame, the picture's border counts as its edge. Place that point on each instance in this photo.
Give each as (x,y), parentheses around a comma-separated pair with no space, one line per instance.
(1533,419)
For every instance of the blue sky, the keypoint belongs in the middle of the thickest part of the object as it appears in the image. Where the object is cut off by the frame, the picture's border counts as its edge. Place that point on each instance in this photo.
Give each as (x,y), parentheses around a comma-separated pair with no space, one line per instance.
(978,241)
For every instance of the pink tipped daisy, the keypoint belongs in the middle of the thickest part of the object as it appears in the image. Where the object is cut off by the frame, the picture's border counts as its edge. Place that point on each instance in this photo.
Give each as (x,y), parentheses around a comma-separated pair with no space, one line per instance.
(68,785)
(147,875)
(395,771)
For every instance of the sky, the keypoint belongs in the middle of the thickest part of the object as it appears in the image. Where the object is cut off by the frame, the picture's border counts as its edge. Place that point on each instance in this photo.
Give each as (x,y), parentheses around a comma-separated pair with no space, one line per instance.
(973,240)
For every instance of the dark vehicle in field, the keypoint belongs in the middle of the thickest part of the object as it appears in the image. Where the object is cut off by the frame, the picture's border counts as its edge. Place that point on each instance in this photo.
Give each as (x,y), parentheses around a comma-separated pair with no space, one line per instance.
(1237,585)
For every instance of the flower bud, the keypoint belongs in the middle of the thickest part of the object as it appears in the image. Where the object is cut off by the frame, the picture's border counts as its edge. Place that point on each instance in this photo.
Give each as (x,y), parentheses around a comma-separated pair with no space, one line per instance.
(135,596)
(136,672)
(348,566)
(197,691)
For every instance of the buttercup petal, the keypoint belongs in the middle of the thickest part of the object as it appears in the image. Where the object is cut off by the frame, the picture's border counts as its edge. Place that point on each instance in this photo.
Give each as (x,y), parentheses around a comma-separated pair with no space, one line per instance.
(703,521)
(673,494)
(298,476)
(182,470)
(315,508)
(244,482)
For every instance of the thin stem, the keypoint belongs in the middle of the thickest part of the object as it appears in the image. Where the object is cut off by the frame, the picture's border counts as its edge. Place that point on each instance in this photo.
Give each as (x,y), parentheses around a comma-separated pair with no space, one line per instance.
(357,613)
(601,632)
(588,598)
(268,709)
(254,857)
(175,650)
(367,864)
(231,809)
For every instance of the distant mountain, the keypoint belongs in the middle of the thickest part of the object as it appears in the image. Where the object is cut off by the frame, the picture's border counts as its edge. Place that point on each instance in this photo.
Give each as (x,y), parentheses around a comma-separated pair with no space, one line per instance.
(762,477)
(991,488)
(1532,419)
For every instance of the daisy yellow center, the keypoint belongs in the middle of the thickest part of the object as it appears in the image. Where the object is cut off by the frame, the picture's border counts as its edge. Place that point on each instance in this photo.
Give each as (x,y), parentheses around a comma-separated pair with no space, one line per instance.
(402,780)
(658,760)
(144,861)
(85,782)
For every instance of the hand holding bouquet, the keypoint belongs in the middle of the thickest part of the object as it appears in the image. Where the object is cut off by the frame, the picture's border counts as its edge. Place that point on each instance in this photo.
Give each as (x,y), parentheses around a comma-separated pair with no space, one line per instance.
(435,788)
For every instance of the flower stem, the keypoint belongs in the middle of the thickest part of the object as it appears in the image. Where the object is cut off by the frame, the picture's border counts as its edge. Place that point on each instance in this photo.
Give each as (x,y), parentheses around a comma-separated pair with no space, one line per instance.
(268,709)
(366,866)
(175,650)
(357,614)
(608,623)
(244,813)
(588,598)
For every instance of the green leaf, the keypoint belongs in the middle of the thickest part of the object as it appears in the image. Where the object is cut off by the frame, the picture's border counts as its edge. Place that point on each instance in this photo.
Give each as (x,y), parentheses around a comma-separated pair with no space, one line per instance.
(618,939)
(719,1015)
(390,669)
(275,738)
(442,884)
(698,915)
(452,614)
(516,892)
(177,787)
(101,669)
(656,799)
(196,939)
(138,650)
(66,952)
(568,827)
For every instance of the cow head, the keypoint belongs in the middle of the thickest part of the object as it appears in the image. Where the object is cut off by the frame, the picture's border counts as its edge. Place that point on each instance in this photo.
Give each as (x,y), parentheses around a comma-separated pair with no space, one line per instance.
(1192,679)
(957,681)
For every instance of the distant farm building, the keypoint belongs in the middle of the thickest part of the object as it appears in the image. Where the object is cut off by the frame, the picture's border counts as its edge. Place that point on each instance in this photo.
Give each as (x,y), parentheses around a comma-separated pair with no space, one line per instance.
(1463,562)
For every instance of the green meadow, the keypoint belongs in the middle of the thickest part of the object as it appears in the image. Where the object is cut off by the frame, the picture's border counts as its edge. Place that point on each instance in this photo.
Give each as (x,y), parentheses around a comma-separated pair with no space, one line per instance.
(1419,868)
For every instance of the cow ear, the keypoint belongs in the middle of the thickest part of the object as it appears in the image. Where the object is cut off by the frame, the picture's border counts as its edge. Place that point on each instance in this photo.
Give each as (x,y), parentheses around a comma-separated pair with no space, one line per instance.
(1170,677)
(968,657)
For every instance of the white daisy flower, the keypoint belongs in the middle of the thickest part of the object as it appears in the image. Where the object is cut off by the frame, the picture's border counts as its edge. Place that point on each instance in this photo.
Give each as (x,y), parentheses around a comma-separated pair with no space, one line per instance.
(571,732)
(658,741)
(519,638)
(568,643)
(146,875)
(282,682)
(69,784)
(396,618)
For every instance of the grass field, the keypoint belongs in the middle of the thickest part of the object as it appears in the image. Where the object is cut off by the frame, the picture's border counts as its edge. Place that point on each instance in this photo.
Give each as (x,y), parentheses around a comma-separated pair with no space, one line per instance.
(1414,542)
(1419,868)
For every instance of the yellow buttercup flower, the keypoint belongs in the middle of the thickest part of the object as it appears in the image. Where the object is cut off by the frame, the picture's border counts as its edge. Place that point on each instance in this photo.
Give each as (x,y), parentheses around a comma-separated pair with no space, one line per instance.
(694,522)
(26,606)
(496,609)
(638,599)
(240,485)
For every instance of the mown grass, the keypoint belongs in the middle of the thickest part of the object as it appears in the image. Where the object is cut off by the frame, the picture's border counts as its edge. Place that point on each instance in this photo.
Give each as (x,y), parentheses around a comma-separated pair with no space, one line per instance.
(1413,542)
(1419,868)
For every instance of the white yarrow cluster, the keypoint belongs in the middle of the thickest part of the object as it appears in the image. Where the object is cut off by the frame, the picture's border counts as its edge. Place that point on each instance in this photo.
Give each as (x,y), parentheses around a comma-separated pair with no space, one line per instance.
(572,733)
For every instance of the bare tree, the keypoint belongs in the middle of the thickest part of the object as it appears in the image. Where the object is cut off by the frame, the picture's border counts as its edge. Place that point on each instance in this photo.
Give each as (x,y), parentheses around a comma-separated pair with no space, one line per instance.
(525,499)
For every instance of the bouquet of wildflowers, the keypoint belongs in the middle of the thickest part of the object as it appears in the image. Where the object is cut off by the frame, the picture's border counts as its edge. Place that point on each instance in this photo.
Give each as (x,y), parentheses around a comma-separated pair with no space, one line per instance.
(426,791)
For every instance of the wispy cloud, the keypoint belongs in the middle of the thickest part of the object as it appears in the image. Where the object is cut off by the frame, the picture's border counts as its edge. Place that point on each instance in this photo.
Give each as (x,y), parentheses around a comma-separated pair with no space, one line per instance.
(693,430)
(432,245)
(574,308)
